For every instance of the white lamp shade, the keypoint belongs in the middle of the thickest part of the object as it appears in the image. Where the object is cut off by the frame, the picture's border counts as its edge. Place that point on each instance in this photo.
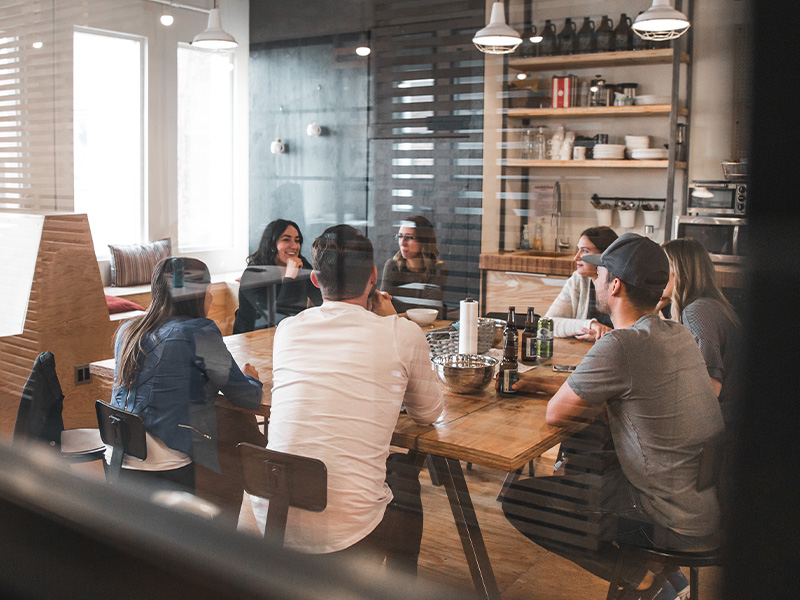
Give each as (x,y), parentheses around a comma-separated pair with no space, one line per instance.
(497,37)
(661,22)
(214,37)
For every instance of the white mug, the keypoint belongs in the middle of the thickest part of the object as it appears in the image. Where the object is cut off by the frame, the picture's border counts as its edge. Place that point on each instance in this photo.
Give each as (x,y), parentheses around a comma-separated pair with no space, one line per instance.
(579,153)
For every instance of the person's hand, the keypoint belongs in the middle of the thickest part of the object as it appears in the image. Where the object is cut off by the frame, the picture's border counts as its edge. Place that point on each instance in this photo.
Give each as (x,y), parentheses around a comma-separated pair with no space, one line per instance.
(250,370)
(664,301)
(380,303)
(528,382)
(594,332)
(293,267)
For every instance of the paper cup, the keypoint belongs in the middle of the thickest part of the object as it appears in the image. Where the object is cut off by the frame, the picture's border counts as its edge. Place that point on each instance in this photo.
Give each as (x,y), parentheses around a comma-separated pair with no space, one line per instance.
(604,216)
(627,218)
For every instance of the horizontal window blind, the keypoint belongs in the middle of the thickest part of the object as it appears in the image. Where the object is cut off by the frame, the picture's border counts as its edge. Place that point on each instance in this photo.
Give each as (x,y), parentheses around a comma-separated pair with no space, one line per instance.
(426,135)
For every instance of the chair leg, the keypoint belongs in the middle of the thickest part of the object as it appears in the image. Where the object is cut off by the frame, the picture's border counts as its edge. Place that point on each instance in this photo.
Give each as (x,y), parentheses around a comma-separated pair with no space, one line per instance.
(510,480)
(694,583)
(613,585)
(432,471)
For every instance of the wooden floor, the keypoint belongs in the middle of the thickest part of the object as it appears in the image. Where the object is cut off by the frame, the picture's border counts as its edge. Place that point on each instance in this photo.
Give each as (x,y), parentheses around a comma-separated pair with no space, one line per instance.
(523,570)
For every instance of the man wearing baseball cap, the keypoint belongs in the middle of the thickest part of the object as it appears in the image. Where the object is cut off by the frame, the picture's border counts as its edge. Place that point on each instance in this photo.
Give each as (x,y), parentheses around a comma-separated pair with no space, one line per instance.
(649,377)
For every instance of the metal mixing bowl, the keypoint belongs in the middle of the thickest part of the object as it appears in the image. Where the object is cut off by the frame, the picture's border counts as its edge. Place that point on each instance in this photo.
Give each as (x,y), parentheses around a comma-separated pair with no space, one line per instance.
(464,373)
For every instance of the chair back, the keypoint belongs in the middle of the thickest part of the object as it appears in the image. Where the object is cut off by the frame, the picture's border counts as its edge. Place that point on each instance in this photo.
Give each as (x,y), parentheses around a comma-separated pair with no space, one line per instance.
(285,480)
(124,432)
(39,413)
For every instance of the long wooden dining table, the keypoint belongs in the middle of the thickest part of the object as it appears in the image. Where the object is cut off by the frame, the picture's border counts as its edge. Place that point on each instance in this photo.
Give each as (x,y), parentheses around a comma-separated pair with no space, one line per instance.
(482,428)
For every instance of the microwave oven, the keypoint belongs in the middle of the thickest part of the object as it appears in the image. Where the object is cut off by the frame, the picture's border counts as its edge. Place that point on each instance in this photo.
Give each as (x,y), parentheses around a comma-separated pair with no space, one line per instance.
(722,198)
(725,238)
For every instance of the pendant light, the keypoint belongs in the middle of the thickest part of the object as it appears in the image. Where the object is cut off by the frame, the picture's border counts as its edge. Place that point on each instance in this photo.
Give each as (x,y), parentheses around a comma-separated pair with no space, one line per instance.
(661,22)
(214,37)
(497,37)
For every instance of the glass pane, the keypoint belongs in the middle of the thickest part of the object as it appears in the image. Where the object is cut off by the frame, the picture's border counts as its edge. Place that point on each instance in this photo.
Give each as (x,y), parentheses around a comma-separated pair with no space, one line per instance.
(108,116)
(205,149)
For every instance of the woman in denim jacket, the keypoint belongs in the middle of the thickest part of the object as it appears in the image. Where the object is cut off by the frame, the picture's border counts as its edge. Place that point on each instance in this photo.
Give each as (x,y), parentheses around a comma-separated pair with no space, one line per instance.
(170,365)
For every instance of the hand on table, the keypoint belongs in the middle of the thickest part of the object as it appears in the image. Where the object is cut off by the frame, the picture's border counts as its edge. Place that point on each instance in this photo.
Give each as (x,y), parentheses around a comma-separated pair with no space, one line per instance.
(249,369)
(528,382)
(594,332)
(381,303)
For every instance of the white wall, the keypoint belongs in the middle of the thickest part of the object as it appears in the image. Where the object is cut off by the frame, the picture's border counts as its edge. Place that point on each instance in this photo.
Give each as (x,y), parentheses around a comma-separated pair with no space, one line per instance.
(141,18)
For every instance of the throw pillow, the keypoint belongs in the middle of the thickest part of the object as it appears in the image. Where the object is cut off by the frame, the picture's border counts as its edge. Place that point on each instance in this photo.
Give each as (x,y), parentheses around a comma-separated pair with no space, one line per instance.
(134,264)
(120,305)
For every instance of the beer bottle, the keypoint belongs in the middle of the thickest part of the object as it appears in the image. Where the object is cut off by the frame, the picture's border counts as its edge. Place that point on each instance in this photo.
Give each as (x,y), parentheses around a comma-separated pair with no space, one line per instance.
(528,338)
(508,372)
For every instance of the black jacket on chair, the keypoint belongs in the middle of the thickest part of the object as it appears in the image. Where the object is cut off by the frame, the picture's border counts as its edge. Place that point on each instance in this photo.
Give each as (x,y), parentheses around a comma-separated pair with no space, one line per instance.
(39,414)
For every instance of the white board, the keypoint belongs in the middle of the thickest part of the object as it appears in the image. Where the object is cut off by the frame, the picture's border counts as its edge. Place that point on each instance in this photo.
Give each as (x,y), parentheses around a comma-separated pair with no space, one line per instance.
(20,236)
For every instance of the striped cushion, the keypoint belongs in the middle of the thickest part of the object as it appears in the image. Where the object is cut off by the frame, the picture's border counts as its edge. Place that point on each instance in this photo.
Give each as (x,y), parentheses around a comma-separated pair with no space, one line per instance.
(134,264)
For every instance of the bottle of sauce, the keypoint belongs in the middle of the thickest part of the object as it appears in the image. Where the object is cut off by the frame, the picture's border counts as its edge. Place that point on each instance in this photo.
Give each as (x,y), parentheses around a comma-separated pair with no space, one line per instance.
(528,338)
(509,368)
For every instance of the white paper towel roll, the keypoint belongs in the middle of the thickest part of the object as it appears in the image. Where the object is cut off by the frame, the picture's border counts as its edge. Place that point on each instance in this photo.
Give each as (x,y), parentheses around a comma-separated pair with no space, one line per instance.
(468,327)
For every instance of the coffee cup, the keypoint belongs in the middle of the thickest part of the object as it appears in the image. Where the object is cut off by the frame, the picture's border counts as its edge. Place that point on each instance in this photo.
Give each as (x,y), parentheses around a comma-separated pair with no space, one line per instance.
(579,153)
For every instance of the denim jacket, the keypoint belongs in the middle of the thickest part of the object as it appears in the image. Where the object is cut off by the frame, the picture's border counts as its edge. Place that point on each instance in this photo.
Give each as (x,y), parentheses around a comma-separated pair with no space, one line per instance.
(186,364)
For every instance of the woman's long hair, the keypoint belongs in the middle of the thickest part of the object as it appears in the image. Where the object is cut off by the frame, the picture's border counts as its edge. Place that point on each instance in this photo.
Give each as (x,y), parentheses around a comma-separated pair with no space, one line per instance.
(425,235)
(165,304)
(268,245)
(694,277)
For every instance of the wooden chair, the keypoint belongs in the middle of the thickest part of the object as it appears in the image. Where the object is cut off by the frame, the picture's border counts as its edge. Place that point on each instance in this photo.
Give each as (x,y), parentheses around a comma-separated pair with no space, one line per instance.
(124,432)
(285,480)
(39,415)
(708,476)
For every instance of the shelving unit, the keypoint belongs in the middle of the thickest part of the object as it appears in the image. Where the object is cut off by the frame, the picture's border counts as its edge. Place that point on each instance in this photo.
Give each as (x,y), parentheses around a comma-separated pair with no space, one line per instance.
(672,112)
(593,164)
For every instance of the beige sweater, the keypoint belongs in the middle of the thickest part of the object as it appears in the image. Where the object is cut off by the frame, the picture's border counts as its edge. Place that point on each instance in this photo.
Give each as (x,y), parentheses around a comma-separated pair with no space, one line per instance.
(569,310)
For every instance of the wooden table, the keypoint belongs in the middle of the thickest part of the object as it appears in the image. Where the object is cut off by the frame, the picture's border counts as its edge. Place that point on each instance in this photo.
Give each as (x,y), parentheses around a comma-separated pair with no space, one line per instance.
(481,428)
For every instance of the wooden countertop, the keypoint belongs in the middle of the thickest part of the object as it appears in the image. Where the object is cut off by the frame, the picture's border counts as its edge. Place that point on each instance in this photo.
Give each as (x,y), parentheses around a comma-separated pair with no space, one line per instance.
(529,261)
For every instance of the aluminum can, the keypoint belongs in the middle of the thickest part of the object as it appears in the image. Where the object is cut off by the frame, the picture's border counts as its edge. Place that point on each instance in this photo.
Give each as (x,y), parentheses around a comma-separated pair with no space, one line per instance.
(544,338)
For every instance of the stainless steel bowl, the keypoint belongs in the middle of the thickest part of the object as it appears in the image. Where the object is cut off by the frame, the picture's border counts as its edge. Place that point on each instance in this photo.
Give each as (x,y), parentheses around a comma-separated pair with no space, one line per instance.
(464,373)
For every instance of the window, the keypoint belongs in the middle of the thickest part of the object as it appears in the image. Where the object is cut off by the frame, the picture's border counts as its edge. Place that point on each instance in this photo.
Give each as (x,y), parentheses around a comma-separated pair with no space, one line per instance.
(109,140)
(11,169)
(205,149)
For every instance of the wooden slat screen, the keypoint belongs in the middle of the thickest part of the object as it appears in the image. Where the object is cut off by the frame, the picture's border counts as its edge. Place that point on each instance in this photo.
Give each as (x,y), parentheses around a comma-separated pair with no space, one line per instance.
(426,134)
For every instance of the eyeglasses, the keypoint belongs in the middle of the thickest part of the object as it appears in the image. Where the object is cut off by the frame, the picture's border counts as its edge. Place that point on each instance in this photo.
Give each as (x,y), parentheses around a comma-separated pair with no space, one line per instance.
(408,237)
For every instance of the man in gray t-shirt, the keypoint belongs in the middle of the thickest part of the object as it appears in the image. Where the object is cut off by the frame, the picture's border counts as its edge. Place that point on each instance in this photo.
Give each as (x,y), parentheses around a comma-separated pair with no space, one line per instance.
(650,378)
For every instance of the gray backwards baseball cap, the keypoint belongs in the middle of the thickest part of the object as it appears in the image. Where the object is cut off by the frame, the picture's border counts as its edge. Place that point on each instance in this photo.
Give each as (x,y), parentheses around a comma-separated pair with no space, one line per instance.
(636,260)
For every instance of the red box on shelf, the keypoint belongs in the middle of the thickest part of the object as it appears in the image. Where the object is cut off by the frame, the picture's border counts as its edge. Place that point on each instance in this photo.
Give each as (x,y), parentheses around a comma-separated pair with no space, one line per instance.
(564,91)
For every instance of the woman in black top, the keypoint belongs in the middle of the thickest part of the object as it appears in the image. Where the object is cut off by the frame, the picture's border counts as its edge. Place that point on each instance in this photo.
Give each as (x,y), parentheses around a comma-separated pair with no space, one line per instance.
(277,283)
(415,277)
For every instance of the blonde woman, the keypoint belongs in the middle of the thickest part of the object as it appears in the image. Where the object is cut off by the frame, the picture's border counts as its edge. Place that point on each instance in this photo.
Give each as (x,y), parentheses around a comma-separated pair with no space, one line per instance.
(698,303)
(415,277)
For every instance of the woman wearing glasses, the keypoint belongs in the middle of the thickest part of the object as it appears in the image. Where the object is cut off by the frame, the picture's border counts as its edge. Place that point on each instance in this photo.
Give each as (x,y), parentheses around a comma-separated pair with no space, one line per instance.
(415,277)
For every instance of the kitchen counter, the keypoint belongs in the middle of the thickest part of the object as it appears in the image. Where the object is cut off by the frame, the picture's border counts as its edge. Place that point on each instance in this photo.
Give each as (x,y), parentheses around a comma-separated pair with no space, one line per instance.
(529,261)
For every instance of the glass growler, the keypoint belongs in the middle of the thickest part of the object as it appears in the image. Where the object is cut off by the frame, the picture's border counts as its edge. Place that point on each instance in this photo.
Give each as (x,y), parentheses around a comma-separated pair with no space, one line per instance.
(623,34)
(604,35)
(586,39)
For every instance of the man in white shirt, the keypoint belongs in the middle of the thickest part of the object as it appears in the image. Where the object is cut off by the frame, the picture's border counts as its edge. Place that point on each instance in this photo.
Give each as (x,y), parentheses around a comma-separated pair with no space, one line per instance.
(341,373)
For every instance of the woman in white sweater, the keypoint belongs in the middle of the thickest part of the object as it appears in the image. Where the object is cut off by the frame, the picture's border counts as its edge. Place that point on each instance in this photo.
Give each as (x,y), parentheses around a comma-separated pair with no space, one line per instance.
(574,312)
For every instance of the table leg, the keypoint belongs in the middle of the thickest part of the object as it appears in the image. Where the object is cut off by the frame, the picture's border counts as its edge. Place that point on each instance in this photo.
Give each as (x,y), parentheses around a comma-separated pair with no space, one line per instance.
(450,474)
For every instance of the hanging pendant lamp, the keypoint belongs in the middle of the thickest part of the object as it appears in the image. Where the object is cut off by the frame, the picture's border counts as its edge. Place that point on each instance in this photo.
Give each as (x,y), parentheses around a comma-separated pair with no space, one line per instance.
(661,22)
(214,37)
(497,37)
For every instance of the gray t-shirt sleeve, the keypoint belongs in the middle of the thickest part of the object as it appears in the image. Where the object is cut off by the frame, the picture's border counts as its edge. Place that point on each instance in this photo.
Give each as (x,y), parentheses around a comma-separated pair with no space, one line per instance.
(603,372)
(704,321)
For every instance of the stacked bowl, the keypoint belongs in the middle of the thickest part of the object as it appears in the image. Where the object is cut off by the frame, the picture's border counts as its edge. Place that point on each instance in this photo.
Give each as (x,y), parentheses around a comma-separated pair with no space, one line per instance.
(636,142)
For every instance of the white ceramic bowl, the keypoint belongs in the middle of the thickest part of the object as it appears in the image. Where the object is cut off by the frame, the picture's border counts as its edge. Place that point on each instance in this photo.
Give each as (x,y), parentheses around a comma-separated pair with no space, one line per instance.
(422,316)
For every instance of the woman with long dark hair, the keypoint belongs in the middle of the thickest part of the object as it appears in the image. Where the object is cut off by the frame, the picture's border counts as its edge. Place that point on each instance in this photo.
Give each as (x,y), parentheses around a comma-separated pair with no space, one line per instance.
(171,363)
(277,282)
(574,311)
(415,277)
(698,303)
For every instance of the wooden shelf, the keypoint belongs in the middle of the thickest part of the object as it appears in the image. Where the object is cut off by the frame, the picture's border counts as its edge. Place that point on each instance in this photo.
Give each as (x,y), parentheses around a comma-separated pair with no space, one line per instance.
(593,164)
(600,59)
(595,111)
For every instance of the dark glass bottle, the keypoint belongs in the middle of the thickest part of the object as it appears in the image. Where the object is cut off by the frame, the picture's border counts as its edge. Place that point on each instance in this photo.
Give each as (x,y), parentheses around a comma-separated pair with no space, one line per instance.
(509,368)
(568,38)
(623,34)
(528,338)
(549,44)
(586,40)
(639,43)
(604,35)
